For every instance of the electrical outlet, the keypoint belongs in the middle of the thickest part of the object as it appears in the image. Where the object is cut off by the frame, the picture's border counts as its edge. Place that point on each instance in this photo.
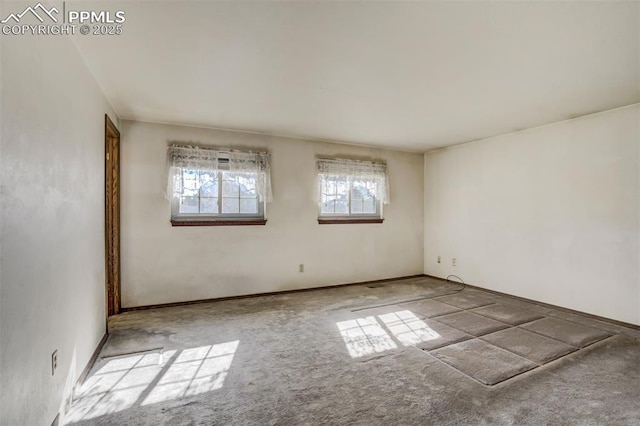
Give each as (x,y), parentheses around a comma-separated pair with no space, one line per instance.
(453,261)
(301,267)
(54,362)
(439,259)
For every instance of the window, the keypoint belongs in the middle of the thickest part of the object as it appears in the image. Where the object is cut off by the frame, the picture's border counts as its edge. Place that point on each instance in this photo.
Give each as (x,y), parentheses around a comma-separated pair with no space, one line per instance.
(351,191)
(213,187)
(221,193)
(343,195)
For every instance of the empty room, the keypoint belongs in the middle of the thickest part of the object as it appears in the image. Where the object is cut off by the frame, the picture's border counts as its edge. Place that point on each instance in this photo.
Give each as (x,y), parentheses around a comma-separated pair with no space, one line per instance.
(319,212)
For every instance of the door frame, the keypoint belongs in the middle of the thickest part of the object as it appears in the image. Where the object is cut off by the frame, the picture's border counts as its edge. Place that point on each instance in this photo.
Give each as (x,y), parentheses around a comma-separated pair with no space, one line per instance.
(112,216)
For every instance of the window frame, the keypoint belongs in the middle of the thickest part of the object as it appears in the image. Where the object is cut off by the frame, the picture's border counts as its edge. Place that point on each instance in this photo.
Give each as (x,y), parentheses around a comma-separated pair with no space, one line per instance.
(217,219)
(341,218)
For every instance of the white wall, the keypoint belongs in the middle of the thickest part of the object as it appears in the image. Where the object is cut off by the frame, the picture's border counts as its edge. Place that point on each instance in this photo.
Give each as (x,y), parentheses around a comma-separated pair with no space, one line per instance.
(52,224)
(549,213)
(168,264)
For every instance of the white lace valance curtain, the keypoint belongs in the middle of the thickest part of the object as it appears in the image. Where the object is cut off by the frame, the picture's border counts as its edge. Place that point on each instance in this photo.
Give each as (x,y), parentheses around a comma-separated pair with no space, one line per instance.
(358,169)
(209,160)
(194,158)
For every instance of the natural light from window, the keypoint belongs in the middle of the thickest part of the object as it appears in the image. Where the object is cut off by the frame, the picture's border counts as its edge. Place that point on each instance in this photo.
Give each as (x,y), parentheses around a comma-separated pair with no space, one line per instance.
(202,193)
(371,335)
(194,371)
(146,378)
(408,328)
(342,195)
(365,336)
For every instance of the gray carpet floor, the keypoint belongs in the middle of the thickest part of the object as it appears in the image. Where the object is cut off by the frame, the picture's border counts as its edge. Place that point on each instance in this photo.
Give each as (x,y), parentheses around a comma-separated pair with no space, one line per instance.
(405,352)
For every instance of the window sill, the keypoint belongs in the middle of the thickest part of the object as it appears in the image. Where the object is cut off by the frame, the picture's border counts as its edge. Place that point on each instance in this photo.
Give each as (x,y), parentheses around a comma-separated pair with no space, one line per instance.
(223,222)
(324,221)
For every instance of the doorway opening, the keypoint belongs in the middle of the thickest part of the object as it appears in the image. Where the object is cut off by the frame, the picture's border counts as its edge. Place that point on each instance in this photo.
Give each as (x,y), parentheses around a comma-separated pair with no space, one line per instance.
(112,216)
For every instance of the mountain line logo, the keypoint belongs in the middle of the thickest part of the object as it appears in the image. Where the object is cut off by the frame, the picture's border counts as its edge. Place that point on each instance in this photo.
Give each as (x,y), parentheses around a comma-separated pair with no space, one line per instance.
(16,17)
(42,21)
